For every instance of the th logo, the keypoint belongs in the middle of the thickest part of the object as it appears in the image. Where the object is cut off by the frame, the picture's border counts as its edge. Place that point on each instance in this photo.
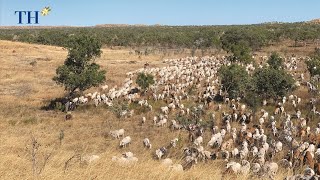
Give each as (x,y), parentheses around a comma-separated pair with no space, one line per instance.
(30,16)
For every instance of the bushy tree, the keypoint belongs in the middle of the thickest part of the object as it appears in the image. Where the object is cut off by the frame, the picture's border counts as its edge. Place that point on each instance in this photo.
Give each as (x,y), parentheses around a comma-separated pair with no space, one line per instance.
(231,38)
(234,80)
(242,53)
(253,100)
(275,61)
(313,65)
(272,83)
(254,37)
(238,43)
(79,71)
(144,80)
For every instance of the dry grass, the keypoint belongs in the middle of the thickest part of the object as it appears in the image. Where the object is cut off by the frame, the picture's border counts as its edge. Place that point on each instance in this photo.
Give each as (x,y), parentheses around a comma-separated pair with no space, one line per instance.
(25,88)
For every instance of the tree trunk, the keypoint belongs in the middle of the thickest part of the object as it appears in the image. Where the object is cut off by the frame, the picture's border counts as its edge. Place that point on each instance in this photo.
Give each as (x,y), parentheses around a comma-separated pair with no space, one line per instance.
(72,92)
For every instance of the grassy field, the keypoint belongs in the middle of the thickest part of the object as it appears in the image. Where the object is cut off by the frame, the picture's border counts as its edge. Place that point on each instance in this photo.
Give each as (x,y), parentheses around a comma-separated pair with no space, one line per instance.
(26,85)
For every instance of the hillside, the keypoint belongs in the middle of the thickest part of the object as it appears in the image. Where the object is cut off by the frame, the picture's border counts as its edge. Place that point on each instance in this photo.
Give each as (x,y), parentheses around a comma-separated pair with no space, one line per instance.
(26,86)
(141,37)
(314,21)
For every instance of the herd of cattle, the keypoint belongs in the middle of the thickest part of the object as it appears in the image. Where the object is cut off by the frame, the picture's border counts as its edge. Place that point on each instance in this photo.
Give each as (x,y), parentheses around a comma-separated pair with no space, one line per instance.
(257,144)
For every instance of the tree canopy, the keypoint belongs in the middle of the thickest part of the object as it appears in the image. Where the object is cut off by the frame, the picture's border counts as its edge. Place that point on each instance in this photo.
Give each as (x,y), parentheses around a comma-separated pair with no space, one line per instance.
(144,80)
(241,53)
(234,80)
(79,70)
(275,61)
(256,36)
(313,64)
(272,83)
(266,82)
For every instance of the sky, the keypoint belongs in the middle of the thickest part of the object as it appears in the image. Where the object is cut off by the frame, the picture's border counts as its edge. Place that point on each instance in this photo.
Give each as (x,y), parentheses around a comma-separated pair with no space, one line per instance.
(165,12)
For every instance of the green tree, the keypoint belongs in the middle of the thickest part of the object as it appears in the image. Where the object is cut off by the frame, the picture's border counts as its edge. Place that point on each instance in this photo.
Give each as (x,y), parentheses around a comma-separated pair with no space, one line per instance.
(275,61)
(272,83)
(79,71)
(242,53)
(144,81)
(230,38)
(313,64)
(253,37)
(253,100)
(234,80)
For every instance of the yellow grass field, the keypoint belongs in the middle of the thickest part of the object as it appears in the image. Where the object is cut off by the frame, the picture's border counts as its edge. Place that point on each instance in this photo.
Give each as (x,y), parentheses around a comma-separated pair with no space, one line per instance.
(26,85)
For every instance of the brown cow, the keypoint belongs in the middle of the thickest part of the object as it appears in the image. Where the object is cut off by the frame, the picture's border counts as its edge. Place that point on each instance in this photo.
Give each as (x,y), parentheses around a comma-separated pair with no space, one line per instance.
(297,159)
(302,133)
(314,138)
(68,116)
(276,111)
(308,160)
(227,145)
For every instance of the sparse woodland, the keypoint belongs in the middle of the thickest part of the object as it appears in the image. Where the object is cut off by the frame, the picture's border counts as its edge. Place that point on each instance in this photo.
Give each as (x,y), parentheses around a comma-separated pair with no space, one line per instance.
(160,102)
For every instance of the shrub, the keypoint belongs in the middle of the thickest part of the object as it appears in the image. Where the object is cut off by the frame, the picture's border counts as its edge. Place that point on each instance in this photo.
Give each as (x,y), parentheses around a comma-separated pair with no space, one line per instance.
(144,81)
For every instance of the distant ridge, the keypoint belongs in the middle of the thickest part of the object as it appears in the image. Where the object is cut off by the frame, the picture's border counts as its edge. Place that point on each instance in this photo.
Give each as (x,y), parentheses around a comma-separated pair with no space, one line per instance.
(314,21)
(121,25)
(273,22)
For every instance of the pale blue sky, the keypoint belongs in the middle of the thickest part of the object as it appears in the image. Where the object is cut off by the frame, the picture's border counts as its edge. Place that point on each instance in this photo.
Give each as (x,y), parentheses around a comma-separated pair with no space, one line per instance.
(168,12)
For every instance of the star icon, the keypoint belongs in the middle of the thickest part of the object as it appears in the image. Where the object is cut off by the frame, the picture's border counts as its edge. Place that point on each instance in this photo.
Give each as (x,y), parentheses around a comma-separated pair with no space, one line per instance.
(45,11)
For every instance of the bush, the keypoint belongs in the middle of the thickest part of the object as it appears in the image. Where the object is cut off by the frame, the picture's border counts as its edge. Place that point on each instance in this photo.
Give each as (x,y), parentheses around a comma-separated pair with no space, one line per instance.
(253,100)
(234,80)
(118,107)
(241,53)
(272,83)
(183,120)
(57,104)
(138,109)
(275,61)
(313,66)
(144,81)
